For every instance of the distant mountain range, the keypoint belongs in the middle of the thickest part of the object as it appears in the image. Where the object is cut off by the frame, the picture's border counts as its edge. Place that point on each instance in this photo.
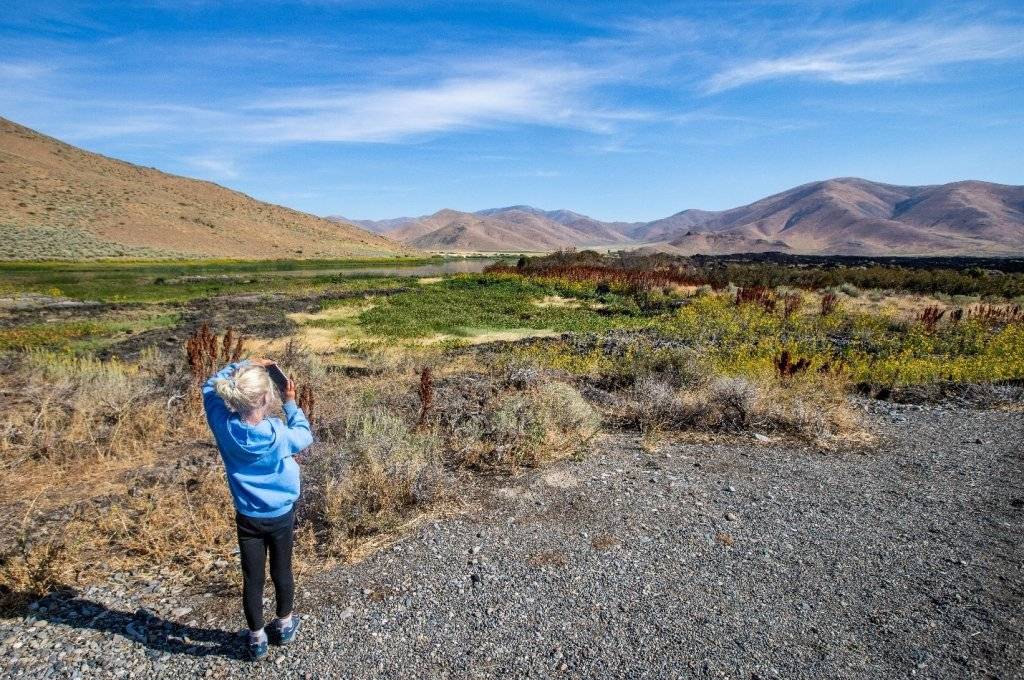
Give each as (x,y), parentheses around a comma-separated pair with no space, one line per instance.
(846,216)
(59,201)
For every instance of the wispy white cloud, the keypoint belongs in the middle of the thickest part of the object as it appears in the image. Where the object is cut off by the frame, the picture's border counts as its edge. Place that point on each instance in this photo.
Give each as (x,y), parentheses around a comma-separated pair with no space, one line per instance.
(218,167)
(538,173)
(491,92)
(881,52)
(22,70)
(554,95)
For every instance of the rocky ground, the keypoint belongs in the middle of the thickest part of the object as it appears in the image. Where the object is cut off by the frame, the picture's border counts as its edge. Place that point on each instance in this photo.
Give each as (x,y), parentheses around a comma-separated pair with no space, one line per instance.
(743,559)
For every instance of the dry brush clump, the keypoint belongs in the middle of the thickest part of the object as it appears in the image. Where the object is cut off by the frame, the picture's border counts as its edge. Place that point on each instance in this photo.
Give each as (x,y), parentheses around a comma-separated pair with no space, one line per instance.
(391,446)
(930,316)
(374,476)
(829,304)
(39,560)
(206,353)
(494,423)
(93,467)
(787,365)
(791,304)
(756,295)
(68,408)
(176,521)
(997,314)
(812,407)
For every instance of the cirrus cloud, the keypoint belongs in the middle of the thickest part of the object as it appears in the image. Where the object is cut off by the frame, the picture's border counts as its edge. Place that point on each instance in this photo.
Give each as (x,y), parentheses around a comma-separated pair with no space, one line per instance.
(881,52)
(546,95)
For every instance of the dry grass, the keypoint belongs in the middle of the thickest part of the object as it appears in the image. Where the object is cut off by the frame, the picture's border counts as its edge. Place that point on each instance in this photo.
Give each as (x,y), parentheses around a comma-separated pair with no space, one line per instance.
(370,479)
(487,423)
(391,443)
(68,407)
(809,407)
(94,471)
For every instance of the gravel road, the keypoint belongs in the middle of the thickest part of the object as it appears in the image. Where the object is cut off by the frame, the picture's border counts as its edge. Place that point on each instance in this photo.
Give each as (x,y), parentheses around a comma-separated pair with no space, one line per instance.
(744,560)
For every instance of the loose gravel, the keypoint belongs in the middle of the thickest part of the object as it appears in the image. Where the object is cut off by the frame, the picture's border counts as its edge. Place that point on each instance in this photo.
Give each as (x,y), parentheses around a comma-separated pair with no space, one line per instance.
(746,560)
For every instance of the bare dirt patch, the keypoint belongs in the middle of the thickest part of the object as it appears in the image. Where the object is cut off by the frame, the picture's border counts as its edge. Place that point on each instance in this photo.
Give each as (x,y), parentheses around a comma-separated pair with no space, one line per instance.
(485,336)
(560,479)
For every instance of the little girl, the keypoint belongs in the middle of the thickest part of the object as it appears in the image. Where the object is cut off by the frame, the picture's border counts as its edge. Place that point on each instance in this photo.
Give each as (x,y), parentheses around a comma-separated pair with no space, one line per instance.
(263,477)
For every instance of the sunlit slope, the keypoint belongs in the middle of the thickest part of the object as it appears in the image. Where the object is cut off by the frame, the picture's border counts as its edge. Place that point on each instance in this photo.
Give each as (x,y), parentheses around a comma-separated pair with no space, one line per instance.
(57,200)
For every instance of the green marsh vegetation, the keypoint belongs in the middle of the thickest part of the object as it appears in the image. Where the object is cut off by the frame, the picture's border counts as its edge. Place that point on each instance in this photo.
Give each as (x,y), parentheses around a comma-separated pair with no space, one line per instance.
(80,335)
(466,304)
(183,280)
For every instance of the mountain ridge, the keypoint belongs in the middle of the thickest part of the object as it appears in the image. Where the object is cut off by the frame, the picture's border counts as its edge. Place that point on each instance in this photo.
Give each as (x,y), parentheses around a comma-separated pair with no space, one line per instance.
(841,216)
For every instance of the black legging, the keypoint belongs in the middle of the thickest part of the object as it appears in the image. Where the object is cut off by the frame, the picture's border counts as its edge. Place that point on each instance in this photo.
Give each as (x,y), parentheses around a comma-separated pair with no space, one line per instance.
(257,537)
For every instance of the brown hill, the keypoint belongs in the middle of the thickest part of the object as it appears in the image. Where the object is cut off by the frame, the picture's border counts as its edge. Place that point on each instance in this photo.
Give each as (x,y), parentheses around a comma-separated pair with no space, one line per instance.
(577,230)
(454,231)
(377,226)
(519,228)
(670,227)
(58,201)
(858,217)
(838,216)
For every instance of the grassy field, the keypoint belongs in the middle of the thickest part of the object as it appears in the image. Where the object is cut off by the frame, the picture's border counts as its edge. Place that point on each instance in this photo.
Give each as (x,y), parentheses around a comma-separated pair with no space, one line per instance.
(102,461)
(182,280)
(80,335)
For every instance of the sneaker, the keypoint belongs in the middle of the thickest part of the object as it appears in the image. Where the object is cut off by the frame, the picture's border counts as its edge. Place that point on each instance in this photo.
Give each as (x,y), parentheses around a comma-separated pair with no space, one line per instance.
(258,649)
(286,634)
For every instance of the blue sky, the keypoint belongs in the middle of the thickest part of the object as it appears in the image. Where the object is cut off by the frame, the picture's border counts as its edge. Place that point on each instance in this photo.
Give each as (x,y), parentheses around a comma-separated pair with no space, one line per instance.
(620,110)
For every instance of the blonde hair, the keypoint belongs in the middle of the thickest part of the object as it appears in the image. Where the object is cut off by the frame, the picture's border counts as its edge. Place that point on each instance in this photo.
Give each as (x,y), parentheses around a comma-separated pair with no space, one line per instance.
(249,390)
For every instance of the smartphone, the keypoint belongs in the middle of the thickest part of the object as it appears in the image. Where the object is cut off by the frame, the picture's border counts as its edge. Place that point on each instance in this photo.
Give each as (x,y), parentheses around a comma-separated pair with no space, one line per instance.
(279,378)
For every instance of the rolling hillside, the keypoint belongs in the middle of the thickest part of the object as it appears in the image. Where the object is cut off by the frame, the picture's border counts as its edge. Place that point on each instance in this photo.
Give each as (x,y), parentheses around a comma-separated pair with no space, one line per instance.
(847,216)
(519,228)
(451,230)
(857,217)
(59,201)
(576,229)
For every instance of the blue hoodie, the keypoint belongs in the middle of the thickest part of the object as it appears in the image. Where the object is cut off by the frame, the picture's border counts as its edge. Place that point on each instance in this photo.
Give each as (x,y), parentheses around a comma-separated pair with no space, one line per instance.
(262,475)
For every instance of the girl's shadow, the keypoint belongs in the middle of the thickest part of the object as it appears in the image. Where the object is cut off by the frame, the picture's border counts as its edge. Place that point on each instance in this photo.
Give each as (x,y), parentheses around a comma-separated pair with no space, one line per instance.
(143,626)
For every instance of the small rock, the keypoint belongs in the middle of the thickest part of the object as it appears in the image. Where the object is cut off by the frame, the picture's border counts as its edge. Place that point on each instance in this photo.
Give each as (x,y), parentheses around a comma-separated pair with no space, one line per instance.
(731,516)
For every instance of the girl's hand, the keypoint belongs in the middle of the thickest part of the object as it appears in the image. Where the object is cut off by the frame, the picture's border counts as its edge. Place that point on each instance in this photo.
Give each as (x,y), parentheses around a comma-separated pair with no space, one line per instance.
(289,391)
